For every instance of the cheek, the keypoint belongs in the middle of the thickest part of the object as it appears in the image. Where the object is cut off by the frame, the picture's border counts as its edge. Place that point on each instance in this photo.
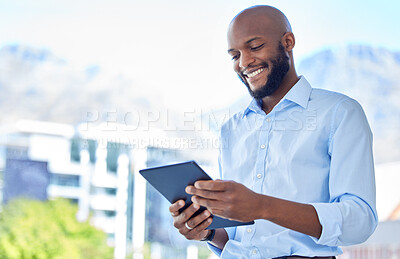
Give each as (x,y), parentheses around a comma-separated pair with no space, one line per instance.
(236,67)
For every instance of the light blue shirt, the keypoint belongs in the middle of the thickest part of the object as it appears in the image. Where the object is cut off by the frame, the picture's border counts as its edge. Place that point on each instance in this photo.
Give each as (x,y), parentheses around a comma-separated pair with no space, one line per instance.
(314,147)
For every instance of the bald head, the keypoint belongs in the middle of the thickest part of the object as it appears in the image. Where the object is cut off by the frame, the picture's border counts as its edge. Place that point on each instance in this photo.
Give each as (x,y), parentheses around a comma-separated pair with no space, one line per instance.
(260,21)
(260,43)
(267,16)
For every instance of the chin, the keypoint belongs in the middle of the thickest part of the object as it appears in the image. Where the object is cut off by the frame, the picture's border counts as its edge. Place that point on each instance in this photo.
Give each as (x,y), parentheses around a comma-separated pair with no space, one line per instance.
(257,87)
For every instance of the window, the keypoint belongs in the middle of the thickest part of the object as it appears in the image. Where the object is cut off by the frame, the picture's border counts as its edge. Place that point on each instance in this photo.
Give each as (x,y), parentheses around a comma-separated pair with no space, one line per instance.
(75,149)
(64,180)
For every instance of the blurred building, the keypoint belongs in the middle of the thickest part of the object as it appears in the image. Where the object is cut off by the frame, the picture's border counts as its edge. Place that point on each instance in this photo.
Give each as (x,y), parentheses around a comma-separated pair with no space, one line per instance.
(97,169)
(94,177)
(383,244)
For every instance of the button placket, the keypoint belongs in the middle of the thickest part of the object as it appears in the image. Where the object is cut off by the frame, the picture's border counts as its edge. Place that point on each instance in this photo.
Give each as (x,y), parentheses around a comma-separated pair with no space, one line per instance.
(262,153)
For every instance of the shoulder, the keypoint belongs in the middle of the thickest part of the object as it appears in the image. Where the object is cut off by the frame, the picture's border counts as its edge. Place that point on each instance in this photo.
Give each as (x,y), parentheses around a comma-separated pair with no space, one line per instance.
(326,96)
(342,111)
(332,101)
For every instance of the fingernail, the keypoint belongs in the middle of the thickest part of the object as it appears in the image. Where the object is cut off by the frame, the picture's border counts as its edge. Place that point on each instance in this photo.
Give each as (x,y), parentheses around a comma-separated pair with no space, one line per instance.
(181,203)
(206,213)
(195,206)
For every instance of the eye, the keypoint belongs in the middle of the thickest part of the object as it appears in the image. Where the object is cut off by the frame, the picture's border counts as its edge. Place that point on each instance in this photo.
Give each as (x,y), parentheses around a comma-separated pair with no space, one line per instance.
(235,57)
(258,47)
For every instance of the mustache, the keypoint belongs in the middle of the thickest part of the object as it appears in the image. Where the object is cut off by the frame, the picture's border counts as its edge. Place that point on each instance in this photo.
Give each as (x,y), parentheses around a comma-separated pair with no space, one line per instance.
(262,64)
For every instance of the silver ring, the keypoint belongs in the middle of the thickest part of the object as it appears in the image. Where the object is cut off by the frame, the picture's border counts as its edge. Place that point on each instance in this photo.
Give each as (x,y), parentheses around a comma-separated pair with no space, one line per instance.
(187,226)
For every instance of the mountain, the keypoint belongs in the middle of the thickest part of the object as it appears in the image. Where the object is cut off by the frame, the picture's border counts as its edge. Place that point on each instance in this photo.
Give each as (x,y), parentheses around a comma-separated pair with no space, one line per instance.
(36,84)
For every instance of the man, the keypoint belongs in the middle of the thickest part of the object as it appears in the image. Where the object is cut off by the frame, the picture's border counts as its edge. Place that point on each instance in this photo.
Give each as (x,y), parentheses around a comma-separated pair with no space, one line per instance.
(297,160)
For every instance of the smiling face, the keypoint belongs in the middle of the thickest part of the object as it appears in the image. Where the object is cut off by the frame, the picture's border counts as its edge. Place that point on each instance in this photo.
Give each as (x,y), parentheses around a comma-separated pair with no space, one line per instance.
(259,58)
(266,77)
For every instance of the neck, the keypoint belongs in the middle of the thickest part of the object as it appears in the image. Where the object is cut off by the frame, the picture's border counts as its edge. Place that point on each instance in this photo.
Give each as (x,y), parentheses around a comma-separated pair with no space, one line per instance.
(269,102)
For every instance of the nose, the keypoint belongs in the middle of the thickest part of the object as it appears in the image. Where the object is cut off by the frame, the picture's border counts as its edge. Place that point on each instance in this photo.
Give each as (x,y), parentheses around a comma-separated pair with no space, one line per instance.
(245,60)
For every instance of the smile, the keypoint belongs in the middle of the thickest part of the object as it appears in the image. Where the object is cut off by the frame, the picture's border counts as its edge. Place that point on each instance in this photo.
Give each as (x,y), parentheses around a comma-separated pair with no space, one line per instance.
(254,73)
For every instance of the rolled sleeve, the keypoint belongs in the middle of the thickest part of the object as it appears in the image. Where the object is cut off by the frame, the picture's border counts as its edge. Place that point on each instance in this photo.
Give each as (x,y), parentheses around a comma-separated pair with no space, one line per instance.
(350,216)
(347,222)
(330,219)
(231,234)
(214,249)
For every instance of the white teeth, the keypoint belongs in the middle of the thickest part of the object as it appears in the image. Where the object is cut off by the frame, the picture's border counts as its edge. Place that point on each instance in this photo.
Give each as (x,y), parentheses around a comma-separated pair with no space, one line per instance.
(252,74)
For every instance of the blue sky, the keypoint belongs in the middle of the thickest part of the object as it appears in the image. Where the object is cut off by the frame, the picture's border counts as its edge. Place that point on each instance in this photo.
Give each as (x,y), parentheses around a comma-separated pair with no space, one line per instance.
(177,48)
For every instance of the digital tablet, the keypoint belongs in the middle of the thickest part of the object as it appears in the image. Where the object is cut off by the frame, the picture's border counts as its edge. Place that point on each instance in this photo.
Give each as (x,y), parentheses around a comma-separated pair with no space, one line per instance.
(171,181)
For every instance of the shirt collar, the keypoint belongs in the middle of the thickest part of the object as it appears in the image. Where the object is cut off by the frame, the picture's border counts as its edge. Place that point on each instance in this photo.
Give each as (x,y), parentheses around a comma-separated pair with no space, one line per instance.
(299,94)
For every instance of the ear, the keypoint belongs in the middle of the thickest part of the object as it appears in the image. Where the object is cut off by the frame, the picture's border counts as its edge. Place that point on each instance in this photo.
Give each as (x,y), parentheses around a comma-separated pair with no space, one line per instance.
(288,41)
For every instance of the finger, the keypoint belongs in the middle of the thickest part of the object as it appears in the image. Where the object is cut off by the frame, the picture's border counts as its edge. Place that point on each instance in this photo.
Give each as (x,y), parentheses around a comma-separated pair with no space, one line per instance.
(196,233)
(204,224)
(188,213)
(195,221)
(220,213)
(214,195)
(217,185)
(179,222)
(175,207)
(209,204)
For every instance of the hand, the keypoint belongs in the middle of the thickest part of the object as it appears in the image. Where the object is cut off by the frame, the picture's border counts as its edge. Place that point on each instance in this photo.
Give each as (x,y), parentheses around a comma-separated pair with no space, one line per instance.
(198,224)
(227,199)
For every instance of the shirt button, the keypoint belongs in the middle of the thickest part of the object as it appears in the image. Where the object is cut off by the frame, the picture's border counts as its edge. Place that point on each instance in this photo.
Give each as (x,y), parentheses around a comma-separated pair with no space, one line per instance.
(262,146)
(254,252)
(259,176)
(249,230)
(268,119)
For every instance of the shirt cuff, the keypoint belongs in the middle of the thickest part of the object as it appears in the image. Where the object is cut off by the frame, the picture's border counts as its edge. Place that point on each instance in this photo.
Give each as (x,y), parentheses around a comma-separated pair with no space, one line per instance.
(231,234)
(330,218)
(231,231)
(214,249)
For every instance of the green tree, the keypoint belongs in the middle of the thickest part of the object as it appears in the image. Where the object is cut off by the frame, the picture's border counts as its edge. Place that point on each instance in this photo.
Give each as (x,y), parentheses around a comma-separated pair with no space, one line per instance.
(41,230)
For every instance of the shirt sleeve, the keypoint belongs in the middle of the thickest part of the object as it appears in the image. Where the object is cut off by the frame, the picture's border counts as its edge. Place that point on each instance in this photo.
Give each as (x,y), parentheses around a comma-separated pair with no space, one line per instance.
(231,231)
(350,216)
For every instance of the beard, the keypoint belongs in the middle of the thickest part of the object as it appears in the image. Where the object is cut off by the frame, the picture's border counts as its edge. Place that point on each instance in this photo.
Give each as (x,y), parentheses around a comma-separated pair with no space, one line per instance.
(280,67)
